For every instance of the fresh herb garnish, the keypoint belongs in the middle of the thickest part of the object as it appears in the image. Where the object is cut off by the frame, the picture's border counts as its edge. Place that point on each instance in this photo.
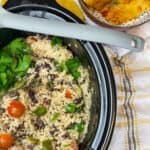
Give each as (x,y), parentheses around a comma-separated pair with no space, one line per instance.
(23,65)
(71,66)
(20,83)
(67,145)
(40,111)
(33,140)
(61,67)
(72,108)
(56,41)
(47,145)
(55,116)
(14,63)
(19,47)
(79,127)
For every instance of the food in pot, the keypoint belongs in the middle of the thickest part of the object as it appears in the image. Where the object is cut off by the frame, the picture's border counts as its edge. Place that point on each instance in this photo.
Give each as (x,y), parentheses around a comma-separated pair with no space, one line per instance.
(118,12)
(45,96)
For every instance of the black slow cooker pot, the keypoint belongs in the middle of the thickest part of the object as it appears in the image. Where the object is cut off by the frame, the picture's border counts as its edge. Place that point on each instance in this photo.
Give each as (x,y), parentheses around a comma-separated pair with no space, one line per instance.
(103,111)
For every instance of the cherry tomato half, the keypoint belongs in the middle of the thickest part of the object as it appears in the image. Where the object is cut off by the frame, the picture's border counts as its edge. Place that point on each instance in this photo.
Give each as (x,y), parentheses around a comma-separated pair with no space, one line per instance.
(68,94)
(16,109)
(6,140)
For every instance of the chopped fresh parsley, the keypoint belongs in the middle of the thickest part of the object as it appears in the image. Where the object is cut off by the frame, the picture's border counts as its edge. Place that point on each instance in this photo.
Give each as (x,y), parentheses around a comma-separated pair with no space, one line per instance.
(47,145)
(14,63)
(61,67)
(71,66)
(55,116)
(19,47)
(67,145)
(56,41)
(40,111)
(33,140)
(72,108)
(79,127)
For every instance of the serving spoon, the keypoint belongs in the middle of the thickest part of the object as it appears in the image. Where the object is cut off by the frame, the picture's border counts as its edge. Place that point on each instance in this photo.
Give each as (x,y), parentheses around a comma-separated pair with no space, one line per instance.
(71,30)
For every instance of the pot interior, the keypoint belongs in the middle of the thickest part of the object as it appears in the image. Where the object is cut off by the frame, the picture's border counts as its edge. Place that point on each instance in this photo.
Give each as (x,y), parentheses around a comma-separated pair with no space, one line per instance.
(103,109)
(78,49)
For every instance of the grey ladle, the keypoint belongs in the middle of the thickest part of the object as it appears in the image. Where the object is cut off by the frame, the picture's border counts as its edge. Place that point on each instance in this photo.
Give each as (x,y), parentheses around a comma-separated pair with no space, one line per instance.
(70,30)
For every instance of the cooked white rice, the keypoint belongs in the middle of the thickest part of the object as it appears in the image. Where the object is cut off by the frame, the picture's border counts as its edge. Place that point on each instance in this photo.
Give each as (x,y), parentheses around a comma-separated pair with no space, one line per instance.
(45,56)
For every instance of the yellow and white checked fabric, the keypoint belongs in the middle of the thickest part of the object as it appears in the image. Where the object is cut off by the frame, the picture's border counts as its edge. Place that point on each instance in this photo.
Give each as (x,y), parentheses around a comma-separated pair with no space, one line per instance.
(132,75)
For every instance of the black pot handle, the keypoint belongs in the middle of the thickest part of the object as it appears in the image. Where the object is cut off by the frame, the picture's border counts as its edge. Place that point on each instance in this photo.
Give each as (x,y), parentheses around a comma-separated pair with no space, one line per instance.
(46,3)
(12,3)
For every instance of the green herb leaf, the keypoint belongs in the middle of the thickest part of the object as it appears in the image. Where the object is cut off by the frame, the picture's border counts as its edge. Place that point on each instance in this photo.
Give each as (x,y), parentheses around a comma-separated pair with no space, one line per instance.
(40,111)
(50,84)
(14,63)
(76,74)
(55,116)
(79,127)
(56,41)
(19,47)
(47,145)
(2,68)
(61,67)
(20,83)
(6,60)
(66,145)
(72,108)
(72,67)
(34,140)
(23,64)
(3,77)
(78,109)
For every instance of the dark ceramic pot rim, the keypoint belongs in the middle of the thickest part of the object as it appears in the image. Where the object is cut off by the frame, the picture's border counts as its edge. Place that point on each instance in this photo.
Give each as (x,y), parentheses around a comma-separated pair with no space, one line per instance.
(104,74)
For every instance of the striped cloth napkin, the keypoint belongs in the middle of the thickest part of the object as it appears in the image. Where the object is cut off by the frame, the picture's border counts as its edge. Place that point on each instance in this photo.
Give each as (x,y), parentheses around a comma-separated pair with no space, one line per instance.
(132,76)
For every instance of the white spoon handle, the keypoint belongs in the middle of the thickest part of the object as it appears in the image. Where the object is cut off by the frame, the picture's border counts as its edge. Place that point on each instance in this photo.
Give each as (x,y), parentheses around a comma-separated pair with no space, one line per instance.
(71,30)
